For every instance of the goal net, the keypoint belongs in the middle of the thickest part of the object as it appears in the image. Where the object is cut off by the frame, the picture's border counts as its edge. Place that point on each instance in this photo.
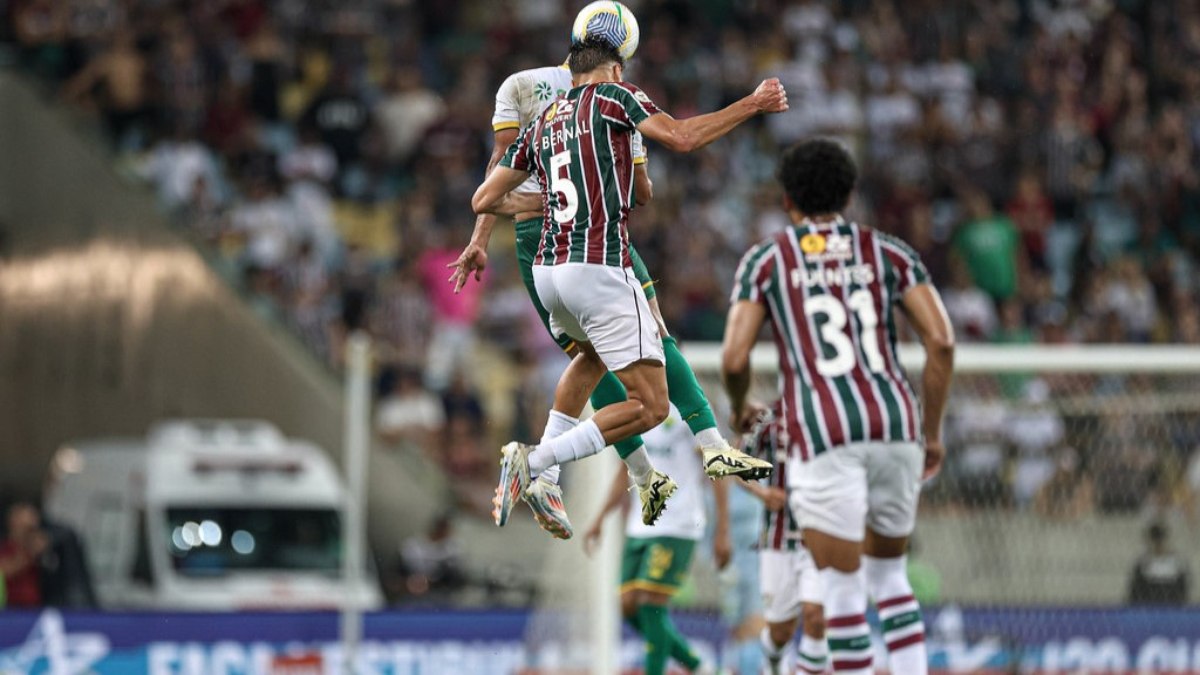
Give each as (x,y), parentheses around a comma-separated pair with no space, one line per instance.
(1060,534)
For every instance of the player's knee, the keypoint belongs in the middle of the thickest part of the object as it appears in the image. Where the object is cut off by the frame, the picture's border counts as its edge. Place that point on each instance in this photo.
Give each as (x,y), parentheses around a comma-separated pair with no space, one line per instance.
(629,604)
(781,633)
(813,617)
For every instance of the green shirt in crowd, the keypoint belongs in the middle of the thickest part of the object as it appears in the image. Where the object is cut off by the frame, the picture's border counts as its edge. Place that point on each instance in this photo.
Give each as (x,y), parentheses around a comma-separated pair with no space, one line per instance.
(989,248)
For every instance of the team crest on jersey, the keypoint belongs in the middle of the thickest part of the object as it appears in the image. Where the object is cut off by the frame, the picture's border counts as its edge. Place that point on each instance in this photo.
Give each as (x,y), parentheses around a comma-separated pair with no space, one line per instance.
(819,248)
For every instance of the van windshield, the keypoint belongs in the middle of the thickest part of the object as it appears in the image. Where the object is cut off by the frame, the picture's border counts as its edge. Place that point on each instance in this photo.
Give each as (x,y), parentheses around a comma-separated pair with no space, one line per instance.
(207,541)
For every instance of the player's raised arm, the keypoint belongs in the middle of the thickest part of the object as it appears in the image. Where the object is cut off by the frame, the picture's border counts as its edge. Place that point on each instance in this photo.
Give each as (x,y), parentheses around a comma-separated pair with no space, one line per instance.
(925,312)
(696,132)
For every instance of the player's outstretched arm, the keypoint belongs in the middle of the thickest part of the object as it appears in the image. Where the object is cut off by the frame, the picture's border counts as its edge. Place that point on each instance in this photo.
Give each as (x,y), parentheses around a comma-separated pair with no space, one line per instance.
(696,132)
(495,195)
(925,312)
(616,498)
(741,331)
(473,259)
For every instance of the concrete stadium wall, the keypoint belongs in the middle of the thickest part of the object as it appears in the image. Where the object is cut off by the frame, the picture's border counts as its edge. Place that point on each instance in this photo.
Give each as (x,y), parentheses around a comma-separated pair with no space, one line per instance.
(109,321)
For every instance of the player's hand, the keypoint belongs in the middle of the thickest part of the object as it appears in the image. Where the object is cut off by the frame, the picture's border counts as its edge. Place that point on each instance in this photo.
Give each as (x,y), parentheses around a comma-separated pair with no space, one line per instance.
(770,96)
(742,421)
(935,454)
(722,550)
(473,259)
(775,499)
(591,538)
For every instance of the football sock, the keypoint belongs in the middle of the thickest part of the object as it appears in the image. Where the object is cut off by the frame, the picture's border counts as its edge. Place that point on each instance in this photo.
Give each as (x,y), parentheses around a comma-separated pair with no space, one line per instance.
(681,651)
(709,437)
(658,643)
(584,440)
(639,466)
(848,633)
(610,391)
(899,613)
(684,391)
(812,656)
(772,652)
(557,424)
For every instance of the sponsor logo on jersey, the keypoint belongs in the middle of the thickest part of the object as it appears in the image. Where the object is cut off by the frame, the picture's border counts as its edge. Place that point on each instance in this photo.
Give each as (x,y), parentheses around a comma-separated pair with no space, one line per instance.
(542,90)
(641,96)
(820,248)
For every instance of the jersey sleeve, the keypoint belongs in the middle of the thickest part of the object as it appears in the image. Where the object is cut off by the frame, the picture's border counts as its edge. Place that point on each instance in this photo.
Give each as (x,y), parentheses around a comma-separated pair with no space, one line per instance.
(906,263)
(507,113)
(624,105)
(519,155)
(639,149)
(755,274)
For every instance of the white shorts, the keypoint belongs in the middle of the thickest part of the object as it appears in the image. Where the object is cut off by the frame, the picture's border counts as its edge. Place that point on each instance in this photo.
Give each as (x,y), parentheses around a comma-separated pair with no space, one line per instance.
(602,305)
(847,489)
(788,579)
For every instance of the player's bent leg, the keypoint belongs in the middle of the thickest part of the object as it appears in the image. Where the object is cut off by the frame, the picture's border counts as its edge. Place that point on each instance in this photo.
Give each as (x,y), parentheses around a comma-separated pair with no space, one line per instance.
(812,655)
(775,638)
(610,391)
(647,389)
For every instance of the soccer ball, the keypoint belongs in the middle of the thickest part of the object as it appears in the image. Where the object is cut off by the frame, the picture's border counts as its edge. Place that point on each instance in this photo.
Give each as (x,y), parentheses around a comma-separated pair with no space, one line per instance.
(609,20)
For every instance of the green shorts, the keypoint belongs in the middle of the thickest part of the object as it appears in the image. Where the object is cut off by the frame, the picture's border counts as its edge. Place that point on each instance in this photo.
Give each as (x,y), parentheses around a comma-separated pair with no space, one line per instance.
(658,564)
(529,233)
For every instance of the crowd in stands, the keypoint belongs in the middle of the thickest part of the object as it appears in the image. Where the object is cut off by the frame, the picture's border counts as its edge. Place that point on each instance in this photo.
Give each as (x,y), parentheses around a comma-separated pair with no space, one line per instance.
(1041,155)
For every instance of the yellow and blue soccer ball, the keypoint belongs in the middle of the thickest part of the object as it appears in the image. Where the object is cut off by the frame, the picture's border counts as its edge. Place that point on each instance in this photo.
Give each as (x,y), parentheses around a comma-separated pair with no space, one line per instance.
(611,21)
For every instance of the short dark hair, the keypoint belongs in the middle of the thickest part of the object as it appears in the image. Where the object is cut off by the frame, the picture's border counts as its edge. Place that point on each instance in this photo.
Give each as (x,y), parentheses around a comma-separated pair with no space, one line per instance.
(592,53)
(818,176)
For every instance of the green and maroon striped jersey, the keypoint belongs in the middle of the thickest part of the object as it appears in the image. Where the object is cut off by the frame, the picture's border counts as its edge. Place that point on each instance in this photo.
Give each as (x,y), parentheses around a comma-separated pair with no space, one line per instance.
(780,530)
(581,151)
(829,290)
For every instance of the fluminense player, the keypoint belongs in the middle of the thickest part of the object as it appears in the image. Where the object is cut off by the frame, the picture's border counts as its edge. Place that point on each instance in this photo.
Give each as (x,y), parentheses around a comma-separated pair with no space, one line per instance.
(520,100)
(581,150)
(656,559)
(861,438)
(791,591)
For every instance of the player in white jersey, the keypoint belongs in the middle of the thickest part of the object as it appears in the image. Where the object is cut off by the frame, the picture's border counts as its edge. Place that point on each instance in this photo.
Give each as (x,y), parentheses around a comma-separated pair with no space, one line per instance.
(656,558)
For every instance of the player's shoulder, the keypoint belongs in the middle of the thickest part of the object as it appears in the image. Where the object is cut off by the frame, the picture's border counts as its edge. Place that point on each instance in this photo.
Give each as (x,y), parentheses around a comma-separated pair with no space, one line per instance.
(531,76)
(892,242)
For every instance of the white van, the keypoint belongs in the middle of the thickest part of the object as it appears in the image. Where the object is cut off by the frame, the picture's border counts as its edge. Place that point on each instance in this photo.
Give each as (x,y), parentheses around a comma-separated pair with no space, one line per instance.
(208,515)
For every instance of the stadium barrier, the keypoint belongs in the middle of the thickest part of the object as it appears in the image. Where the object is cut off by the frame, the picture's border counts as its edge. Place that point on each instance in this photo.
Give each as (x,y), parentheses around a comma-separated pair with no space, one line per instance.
(961,640)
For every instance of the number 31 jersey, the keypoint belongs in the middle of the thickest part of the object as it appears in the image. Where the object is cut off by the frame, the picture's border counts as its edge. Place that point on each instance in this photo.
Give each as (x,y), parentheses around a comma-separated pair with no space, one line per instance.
(829,289)
(580,149)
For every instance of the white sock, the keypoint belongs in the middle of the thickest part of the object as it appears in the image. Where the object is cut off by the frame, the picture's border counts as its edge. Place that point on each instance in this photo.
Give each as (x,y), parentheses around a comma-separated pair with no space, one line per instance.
(584,440)
(710,437)
(899,612)
(638,463)
(557,424)
(772,652)
(812,655)
(848,633)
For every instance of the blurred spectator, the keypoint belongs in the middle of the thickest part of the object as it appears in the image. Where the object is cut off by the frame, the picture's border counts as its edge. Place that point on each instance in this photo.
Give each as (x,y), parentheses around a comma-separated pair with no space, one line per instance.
(407,413)
(268,222)
(971,311)
(20,554)
(341,118)
(65,575)
(408,109)
(432,562)
(454,314)
(1069,494)
(1160,576)
(1035,429)
(1033,214)
(989,244)
(176,164)
(116,82)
